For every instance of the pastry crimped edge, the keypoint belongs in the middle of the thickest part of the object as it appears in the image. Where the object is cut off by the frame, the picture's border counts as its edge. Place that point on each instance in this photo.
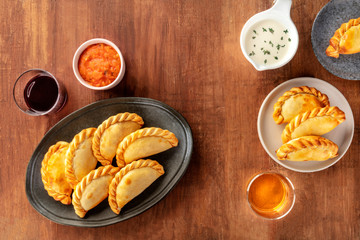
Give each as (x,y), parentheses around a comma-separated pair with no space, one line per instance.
(131,166)
(80,187)
(74,144)
(333,112)
(333,49)
(121,117)
(323,98)
(62,197)
(305,142)
(140,133)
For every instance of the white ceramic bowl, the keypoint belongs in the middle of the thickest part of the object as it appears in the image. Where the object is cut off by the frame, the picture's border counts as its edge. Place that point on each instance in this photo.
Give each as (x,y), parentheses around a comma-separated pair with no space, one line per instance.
(280,12)
(76,60)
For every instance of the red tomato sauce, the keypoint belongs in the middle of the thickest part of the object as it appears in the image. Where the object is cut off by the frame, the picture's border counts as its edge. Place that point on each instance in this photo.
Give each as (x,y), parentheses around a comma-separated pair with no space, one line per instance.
(99,64)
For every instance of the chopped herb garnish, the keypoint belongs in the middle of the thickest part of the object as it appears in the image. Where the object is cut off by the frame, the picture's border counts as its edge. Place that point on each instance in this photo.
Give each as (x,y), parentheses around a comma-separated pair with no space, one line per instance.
(271,30)
(262,48)
(283,46)
(271,44)
(254,31)
(276,58)
(253,37)
(254,45)
(264,41)
(266,52)
(252,53)
(282,38)
(264,30)
(289,39)
(265,61)
(286,31)
(278,47)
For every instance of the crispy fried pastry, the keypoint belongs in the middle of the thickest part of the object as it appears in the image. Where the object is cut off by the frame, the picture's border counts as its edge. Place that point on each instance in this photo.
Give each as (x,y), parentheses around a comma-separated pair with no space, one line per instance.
(80,159)
(111,132)
(132,180)
(346,39)
(308,148)
(298,100)
(314,122)
(93,189)
(53,173)
(143,143)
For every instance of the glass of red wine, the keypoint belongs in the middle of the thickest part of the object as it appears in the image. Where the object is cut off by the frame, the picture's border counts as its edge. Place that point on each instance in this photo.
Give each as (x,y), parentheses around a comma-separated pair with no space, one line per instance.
(37,92)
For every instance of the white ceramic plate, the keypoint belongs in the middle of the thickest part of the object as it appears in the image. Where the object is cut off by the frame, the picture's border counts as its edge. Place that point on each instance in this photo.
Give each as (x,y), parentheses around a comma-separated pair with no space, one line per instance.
(270,133)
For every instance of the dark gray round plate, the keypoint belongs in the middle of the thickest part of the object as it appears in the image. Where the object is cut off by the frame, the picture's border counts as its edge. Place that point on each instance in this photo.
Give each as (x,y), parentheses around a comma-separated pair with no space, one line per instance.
(328,20)
(155,114)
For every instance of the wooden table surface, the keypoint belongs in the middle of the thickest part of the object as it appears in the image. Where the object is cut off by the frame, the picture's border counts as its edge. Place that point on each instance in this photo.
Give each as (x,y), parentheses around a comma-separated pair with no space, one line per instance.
(187,55)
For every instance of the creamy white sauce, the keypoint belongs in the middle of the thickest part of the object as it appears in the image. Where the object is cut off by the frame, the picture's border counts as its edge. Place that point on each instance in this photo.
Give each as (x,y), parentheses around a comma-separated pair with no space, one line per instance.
(267,42)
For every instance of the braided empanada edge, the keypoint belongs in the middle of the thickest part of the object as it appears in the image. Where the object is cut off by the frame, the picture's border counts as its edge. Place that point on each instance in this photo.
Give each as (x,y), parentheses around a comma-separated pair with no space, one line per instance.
(333,49)
(73,146)
(140,133)
(64,198)
(142,163)
(81,186)
(333,112)
(277,114)
(306,142)
(121,117)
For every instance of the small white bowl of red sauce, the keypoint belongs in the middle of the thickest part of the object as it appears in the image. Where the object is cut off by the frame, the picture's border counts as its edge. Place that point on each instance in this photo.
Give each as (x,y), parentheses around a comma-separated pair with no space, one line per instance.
(98,64)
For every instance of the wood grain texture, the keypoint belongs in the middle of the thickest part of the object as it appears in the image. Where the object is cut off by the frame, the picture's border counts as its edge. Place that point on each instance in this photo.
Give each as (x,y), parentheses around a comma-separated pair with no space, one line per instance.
(186,54)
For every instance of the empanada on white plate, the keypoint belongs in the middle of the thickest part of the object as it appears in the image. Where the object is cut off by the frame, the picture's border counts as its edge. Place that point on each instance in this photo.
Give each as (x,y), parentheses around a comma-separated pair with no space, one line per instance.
(53,173)
(132,180)
(346,39)
(307,148)
(298,100)
(314,122)
(143,143)
(80,159)
(93,189)
(111,132)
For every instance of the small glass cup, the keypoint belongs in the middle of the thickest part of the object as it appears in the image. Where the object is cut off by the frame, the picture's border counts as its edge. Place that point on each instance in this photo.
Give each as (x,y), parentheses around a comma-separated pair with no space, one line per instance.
(37,92)
(270,195)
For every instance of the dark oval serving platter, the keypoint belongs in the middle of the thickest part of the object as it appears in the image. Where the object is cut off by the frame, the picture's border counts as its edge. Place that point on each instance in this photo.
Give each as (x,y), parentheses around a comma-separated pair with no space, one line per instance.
(155,114)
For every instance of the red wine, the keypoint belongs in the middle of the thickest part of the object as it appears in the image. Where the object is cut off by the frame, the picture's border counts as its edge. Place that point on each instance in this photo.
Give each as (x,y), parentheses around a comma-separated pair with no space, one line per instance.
(41,93)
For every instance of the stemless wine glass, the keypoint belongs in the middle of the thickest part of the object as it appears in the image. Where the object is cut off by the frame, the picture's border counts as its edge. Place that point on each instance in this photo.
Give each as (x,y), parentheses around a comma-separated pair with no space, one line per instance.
(37,92)
(270,195)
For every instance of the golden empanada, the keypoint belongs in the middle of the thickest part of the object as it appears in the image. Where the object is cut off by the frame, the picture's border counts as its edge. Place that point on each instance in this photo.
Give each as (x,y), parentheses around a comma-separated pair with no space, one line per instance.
(143,143)
(111,132)
(296,101)
(53,173)
(314,122)
(308,148)
(346,39)
(132,180)
(93,189)
(80,159)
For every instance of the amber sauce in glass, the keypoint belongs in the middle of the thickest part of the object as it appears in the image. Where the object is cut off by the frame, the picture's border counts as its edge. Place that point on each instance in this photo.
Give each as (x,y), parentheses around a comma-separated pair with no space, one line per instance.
(267,193)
